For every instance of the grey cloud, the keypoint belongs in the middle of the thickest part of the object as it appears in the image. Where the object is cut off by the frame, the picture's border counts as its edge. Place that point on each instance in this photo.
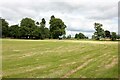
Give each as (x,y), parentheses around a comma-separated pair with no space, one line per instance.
(110,13)
(80,29)
(74,13)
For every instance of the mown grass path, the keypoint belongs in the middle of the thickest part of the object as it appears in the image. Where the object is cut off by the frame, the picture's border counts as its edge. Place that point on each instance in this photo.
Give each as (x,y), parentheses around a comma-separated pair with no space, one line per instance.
(59,58)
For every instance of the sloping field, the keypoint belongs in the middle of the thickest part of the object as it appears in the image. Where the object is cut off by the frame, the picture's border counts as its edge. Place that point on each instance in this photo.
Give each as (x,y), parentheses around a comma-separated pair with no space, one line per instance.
(59,59)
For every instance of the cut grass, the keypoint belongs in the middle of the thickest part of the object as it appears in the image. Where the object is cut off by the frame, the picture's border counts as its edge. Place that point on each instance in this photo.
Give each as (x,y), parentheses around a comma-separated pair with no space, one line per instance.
(59,58)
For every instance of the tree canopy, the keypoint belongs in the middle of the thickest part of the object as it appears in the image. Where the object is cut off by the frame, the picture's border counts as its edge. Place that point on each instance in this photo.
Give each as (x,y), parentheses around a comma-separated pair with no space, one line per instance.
(57,27)
(99,33)
(4,27)
(44,32)
(113,36)
(107,34)
(80,36)
(31,29)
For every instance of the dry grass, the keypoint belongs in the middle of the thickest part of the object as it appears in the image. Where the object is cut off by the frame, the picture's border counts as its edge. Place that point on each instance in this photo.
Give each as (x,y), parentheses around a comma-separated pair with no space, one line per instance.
(59,59)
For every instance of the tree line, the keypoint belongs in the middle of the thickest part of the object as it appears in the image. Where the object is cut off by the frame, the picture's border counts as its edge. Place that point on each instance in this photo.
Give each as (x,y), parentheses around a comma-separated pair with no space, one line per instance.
(30,29)
(100,33)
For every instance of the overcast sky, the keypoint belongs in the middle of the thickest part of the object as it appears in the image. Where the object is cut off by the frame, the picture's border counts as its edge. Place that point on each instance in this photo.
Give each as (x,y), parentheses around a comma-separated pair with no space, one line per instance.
(78,15)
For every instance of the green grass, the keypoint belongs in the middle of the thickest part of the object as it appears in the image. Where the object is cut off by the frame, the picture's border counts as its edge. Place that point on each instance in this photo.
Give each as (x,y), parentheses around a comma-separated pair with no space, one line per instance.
(59,58)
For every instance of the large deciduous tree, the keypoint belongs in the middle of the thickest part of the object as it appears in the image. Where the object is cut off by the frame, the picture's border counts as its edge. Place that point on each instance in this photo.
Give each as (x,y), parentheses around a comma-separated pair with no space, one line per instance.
(57,27)
(99,31)
(27,27)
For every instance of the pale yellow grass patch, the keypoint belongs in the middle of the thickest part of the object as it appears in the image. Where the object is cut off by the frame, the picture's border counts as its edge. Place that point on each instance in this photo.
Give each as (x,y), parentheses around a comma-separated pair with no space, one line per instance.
(25,69)
(68,64)
(93,42)
(63,59)
(16,50)
(114,62)
(27,55)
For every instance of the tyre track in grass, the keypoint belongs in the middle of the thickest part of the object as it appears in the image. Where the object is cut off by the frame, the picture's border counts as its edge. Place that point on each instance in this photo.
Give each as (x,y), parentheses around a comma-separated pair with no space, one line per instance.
(78,68)
(82,66)
(24,70)
(63,65)
(92,67)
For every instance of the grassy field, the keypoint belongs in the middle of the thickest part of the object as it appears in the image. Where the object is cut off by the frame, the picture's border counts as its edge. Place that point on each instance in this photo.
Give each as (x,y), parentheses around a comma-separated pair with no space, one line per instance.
(59,59)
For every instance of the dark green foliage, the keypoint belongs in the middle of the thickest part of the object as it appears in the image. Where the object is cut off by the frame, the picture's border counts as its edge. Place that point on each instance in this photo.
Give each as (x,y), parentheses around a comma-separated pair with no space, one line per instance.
(28,27)
(32,31)
(23,32)
(14,31)
(36,33)
(4,27)
(99,31)
(37,23)
(47,33)
(107,34)
(43,21)
(0,28)
(118,36)
(57,27)
(44,32)
(80,36)
(113,36)
(76,36)
(27,22)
